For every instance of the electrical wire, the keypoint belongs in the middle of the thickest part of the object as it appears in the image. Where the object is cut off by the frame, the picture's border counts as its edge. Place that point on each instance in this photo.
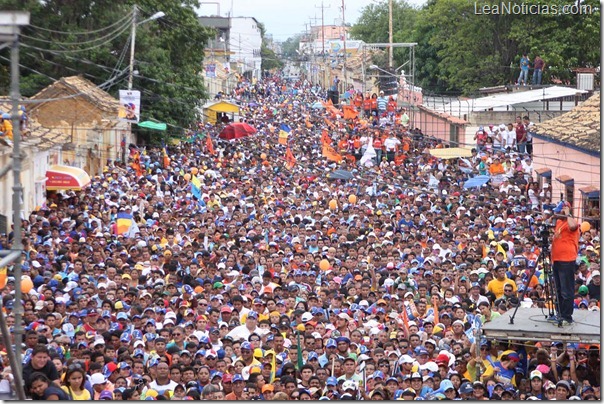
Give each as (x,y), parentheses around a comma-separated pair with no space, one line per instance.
(129,15)
(78,50)
(120,29)
(40,101)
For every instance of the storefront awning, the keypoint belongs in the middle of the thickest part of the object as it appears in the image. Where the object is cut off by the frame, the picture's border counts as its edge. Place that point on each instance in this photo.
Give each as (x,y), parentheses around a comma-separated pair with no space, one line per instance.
(66,178)
(451,153)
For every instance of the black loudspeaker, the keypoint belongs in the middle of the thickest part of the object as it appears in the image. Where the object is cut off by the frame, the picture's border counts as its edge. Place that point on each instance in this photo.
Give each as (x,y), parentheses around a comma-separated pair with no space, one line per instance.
(334,96)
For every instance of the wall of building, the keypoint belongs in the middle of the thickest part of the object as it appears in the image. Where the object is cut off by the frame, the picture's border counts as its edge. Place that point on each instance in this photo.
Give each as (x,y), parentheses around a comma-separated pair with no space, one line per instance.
(583,167)
(245,41)
(499,117)
(438,125)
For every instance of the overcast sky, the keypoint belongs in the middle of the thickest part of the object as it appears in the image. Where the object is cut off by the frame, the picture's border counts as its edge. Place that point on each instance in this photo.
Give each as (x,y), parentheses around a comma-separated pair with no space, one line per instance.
(285,18)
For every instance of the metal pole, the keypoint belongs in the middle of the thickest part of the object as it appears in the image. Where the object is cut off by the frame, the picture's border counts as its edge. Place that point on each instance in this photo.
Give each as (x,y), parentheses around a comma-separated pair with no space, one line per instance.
(132,43)
(390,49)
(130,74)
(344,26)
(17,244)
(16,370)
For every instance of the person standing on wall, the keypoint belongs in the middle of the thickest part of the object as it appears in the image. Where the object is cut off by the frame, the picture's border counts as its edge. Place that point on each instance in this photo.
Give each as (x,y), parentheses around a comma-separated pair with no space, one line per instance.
(565,249)
(538,65)
(524,70)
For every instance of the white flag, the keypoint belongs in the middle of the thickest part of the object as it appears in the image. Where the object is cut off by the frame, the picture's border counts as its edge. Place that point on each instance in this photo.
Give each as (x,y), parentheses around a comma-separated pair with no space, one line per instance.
(369,154)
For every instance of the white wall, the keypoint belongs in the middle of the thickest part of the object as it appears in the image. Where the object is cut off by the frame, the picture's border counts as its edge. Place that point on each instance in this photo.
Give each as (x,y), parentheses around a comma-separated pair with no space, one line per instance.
(245,41)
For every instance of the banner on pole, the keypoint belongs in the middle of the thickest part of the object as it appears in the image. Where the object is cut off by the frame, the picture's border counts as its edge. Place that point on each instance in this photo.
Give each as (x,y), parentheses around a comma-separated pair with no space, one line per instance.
(130,106)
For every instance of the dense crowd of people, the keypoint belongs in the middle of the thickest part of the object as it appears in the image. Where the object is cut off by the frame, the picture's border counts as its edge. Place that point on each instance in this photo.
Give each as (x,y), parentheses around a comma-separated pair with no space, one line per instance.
(345,263)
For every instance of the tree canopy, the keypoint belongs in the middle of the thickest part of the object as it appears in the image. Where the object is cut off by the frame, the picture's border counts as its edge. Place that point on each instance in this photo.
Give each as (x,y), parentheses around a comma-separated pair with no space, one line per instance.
(92,39)
(461,48)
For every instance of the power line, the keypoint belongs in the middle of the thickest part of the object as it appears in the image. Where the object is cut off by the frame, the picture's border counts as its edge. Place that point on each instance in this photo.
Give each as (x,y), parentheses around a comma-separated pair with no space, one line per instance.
(129,15)
(79,50)
(120,29)
(40,101)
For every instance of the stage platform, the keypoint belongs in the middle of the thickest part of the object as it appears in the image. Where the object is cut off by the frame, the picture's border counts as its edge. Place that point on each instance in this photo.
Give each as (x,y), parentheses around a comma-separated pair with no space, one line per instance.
(530,325)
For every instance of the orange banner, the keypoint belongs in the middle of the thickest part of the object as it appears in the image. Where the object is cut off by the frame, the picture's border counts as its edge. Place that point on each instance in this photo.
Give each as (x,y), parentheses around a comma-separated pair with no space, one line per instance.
(331,153)
(350,112)
(290,159)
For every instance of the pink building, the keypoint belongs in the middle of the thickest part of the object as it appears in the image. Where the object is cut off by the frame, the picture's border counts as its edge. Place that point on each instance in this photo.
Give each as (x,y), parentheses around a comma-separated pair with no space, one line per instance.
(440,125)
(566,154)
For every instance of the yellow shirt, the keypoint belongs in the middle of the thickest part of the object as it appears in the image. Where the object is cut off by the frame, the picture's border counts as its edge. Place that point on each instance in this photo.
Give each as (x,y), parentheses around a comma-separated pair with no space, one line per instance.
(496,286)
(84,395)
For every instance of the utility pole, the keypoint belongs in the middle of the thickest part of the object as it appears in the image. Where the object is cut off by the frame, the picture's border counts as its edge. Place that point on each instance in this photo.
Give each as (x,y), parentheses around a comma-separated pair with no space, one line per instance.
(132,43)
(390,49)
(344,26)
(323,27)
(10,25)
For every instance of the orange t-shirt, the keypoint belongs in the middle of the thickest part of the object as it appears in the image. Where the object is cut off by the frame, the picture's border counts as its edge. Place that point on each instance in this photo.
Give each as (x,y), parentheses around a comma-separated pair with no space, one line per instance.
(565,246)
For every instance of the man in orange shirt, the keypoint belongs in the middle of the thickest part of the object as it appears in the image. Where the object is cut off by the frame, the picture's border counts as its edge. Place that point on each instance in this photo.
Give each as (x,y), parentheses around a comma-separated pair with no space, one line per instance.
(565,249)
(496,167)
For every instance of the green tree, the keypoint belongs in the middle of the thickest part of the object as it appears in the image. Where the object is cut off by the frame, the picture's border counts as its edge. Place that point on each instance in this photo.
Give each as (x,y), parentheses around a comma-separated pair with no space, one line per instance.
(290,46)
(460,50)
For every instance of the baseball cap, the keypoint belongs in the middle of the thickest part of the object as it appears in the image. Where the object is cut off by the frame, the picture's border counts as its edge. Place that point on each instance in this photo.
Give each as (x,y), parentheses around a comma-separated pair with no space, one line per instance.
(98,378)
(106,395)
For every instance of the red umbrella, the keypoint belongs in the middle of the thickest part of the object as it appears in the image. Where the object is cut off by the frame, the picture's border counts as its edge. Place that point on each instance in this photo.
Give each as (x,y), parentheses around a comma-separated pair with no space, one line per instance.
(237,130)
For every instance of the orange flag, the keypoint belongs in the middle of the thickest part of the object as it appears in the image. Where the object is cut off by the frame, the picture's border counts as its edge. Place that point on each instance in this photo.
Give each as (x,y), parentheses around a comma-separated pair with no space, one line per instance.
(331,153)
(290,159)
(210,145)
(350,112)
(325,139)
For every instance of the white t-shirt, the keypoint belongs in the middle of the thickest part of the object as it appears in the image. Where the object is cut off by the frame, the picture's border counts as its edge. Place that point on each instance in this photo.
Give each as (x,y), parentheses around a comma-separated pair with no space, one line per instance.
(164,387)
(498,138)
(391,144)
(510,138)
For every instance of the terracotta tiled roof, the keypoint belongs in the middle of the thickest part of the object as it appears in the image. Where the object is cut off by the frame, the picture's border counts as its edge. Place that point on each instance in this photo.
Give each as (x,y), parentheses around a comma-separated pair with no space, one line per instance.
(43,138)
(82,87)
(579,127)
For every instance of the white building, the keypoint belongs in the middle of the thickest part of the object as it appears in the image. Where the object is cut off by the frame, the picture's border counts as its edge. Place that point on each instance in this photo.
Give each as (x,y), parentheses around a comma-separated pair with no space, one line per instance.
(238,41)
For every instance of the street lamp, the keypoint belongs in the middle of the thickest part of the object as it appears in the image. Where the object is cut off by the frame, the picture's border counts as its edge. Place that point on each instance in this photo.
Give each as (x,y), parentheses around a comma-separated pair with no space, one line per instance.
(155,16)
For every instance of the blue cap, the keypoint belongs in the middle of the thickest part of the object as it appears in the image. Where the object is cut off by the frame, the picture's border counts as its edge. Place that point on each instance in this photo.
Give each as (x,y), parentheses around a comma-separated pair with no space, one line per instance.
(252,314)
(123,365)
(342,339)
(332,381)
(445,385)
(122,315)
(312,355)
(237,378)
(216,374)
(422,351)
(246,345)
(331,343)
(378,374)
(466,388)
(138,352)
